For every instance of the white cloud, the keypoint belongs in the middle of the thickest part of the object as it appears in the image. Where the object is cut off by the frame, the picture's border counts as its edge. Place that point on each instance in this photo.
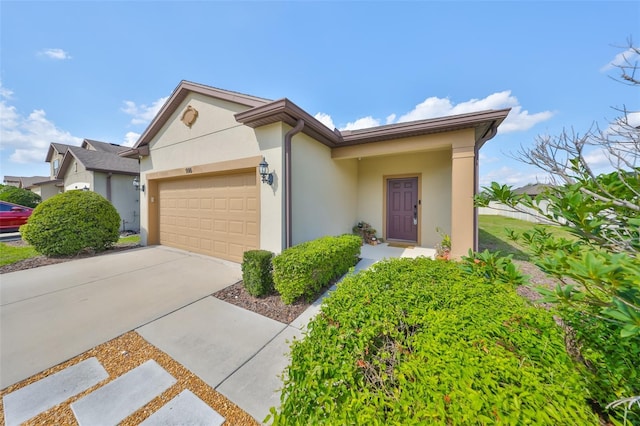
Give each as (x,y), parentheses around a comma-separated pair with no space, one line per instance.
(513,177)
(5,93)
(143,114)
(25,139)
(484,159)
(325,119)
(57,54)
(517,120)
(626,58)
(391,118)
(131,138)
(362,123)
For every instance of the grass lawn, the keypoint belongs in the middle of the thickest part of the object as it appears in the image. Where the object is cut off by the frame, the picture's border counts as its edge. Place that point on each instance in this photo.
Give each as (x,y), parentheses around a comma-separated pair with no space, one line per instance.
(493,234)
(12,254)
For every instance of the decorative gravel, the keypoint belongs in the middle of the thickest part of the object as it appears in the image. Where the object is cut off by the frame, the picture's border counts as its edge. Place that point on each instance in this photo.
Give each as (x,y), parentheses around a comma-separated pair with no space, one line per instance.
(119,356)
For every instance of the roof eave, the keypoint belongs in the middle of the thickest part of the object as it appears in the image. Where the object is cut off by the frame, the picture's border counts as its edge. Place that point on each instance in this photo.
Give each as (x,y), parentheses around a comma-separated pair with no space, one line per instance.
(482,121)
(286,111)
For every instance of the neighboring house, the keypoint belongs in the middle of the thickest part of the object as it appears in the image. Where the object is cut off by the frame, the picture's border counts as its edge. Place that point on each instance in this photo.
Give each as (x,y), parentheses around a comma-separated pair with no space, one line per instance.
(22,181)
(44,186)
(200,166)
(533,190)
(96,166)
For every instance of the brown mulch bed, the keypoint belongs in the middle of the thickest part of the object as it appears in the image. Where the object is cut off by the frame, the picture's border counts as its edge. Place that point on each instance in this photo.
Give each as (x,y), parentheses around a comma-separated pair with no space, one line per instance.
(537,278)
(269,306)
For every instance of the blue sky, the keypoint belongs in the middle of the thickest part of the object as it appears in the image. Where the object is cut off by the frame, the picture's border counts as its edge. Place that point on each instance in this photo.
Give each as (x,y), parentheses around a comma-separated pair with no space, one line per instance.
(100,70)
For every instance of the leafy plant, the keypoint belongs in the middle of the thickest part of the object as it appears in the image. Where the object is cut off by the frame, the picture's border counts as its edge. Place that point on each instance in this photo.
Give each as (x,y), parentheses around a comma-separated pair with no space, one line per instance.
(366,232)
(416,341)
(443,248)
(19,196)
(71,222)
(257,272)
(305,269)
(493,266)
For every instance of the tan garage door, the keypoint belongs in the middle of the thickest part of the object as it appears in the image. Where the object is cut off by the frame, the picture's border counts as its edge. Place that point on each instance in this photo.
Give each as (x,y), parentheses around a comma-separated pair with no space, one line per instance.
(214,215)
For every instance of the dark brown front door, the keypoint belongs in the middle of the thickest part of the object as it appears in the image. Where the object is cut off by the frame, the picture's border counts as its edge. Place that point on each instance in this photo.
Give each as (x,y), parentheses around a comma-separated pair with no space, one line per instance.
(402,209)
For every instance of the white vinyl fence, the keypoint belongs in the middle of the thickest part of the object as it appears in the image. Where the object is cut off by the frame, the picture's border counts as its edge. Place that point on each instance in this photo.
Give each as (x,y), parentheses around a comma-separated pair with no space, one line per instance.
(498,209)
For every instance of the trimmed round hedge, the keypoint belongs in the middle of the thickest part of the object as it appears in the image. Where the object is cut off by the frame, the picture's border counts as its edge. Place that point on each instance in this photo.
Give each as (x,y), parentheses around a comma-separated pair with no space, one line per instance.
(71,222)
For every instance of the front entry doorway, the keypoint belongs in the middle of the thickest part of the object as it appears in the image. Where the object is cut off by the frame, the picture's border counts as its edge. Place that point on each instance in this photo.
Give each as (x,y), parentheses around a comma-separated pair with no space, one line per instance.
(402,209)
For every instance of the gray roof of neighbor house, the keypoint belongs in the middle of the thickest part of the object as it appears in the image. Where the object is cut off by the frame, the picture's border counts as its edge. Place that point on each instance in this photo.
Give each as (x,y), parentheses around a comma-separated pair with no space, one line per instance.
(102,146)
(261,112)
(532,188)
(45,181)
(26,181)
(103,158)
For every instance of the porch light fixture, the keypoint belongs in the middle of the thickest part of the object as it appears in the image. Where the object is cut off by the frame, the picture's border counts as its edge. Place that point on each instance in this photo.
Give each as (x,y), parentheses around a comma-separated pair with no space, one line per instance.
(136,184)
(264,172)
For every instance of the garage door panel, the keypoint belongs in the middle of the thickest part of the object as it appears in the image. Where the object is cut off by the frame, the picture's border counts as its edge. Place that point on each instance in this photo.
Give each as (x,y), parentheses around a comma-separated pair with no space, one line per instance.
(216,215)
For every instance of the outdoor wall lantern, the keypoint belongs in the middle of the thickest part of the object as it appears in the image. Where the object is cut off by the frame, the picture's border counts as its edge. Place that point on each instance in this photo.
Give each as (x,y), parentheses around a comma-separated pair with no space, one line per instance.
(136,184)
(264,172)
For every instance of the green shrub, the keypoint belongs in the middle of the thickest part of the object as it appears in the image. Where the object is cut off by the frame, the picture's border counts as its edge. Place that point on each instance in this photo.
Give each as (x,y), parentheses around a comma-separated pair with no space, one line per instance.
(71,222)
(612,362)
(19,196)
(417,341)
(493,266)
(305,269)
(257,272)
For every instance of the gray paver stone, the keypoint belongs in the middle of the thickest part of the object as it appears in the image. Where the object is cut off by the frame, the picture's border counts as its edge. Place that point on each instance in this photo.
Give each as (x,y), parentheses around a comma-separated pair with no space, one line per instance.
(120,398)
(185,409)
(31,400)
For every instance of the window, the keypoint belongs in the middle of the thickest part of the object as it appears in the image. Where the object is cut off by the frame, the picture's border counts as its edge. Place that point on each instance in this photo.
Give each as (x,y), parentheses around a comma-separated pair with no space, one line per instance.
(56,166)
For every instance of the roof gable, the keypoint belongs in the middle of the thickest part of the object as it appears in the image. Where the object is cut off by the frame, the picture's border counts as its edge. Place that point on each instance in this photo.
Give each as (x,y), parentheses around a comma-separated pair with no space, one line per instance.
(55,147)
(99,161)
(180,93)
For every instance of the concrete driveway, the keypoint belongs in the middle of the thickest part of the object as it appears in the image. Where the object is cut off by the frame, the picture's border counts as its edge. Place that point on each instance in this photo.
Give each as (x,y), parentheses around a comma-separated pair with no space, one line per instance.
(53,313)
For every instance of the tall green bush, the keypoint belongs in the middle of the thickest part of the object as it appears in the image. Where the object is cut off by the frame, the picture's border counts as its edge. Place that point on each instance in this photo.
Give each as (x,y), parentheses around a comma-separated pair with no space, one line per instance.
(71,222)
(305,269)
(257,272)
(417,341)
(19,196)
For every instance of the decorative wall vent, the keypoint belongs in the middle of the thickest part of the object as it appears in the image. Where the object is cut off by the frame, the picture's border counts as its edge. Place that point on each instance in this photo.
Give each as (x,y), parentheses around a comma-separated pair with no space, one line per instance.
(189,116)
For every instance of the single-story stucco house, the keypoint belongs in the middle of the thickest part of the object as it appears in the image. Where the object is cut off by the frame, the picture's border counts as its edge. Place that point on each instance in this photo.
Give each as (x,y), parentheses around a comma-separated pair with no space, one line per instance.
(200,163)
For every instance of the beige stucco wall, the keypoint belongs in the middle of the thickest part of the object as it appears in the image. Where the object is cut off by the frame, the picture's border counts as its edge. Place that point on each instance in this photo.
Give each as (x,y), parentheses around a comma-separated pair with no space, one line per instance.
(125,198)
(270,139)
(77,177)
(217,137)
(435,170)
(47,191)
(324,191)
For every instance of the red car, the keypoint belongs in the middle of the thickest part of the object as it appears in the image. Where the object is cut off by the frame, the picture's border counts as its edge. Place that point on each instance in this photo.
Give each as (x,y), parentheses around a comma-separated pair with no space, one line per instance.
(12,216)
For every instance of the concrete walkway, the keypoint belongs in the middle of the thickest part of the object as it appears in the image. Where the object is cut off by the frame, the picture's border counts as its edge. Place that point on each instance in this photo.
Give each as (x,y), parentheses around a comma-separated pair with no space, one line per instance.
(53,313)
(164,295)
